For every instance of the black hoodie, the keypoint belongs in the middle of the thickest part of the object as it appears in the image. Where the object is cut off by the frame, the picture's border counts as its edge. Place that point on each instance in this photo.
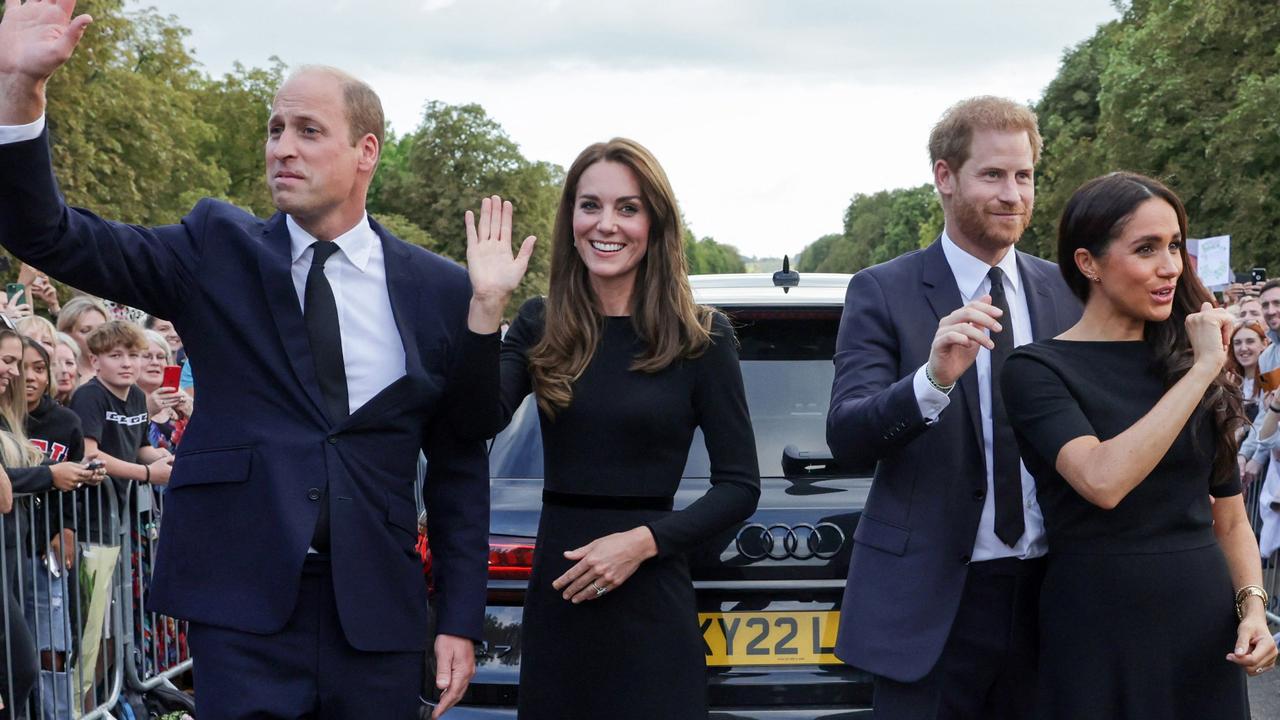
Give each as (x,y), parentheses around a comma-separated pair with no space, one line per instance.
(56,432)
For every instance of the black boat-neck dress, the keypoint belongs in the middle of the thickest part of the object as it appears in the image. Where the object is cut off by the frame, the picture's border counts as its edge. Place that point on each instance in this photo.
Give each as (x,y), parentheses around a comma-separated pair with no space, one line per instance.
(613,460)
(1137,610)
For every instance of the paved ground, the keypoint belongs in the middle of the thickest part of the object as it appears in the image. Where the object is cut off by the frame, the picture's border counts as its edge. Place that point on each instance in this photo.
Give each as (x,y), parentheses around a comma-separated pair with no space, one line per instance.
(1264,696)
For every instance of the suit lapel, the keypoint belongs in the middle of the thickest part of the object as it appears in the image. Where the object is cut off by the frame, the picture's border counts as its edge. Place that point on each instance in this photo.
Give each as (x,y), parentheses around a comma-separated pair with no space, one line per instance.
(282,301)
(1040,302)
(402,289)
(944,297)
(402,292)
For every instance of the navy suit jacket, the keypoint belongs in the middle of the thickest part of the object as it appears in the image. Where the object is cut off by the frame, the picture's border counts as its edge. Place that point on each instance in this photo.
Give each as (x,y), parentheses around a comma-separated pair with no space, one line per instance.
(912,543)
(252,467)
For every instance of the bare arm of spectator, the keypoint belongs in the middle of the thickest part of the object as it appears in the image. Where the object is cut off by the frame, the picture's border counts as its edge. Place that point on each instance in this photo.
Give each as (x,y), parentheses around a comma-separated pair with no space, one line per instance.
(154,465)
(1270,420)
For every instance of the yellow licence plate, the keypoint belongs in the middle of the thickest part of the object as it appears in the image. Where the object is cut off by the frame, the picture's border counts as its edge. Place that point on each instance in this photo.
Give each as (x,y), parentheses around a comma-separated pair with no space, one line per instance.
(770,638)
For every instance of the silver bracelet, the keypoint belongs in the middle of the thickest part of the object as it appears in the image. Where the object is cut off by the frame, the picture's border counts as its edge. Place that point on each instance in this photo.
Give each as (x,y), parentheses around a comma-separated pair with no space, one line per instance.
(944,389)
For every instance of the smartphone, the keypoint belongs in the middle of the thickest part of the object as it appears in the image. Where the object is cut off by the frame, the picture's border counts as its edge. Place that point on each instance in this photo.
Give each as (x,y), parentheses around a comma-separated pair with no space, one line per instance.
(1258,275)
(16,290)
(94,464)
(172,377)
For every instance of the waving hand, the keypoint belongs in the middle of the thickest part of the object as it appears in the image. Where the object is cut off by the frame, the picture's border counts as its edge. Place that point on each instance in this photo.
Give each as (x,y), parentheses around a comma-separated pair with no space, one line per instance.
(36,38)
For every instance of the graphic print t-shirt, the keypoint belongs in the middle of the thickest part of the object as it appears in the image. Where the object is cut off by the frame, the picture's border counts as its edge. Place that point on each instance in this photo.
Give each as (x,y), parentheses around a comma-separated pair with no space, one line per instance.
(119,426)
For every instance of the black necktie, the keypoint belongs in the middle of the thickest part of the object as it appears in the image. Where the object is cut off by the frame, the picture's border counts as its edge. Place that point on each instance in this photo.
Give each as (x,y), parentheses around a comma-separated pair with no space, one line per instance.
(1006,471)
(321,316)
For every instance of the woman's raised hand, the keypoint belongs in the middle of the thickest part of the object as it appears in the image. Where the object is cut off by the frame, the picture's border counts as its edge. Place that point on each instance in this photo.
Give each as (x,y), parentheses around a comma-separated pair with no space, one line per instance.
(495,271)
(1210,333)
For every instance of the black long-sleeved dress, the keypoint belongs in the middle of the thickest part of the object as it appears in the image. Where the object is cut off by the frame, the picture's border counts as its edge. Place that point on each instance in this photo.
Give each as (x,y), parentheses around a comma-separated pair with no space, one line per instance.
(613,461)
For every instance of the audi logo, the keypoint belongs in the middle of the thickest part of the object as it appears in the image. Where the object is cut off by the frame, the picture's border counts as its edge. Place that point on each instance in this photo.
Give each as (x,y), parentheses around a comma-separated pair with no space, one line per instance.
(780,541)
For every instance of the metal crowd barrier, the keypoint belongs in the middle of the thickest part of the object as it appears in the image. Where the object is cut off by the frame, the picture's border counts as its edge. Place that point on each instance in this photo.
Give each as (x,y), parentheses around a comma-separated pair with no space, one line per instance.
(157,643)
(1270,563)
(76,640)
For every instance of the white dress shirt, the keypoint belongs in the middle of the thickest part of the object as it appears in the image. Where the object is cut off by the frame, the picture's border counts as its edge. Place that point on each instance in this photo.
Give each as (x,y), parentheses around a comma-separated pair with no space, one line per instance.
(19,133)
(372,350)
(971,277)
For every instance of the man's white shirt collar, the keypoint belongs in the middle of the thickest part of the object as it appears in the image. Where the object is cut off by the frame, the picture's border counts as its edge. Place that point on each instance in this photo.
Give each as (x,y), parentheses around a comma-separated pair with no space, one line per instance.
(971,273)
(355,244)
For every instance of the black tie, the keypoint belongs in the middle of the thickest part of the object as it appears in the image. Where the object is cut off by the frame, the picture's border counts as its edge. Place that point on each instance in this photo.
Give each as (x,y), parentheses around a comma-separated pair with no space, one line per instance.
(1007,471)
(321,316)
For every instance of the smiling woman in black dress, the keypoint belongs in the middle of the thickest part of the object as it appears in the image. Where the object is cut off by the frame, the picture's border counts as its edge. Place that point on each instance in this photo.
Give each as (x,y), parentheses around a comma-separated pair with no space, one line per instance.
(1128,422)
(624,366)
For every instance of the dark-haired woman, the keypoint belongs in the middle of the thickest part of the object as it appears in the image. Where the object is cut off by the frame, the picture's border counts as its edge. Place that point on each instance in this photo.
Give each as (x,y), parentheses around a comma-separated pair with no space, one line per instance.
(56,433)
(624,366)
(1152,605)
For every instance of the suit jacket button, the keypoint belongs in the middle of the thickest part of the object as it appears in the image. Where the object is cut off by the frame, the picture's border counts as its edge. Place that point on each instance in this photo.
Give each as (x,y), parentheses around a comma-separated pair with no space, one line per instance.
(964,559)
(979,495)
(313,494)
(333,439)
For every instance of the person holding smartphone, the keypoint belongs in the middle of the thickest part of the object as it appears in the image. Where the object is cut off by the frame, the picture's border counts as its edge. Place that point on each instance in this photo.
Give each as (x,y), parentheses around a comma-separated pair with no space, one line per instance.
(16,304)
(169,407)
(291,518)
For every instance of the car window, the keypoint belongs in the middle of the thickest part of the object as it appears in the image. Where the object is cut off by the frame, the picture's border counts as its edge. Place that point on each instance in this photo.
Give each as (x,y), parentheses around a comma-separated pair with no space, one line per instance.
(786,371)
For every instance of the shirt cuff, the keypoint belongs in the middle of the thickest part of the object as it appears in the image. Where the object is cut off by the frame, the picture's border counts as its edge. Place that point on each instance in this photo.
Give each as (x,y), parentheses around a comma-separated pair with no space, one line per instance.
(931,400)
(21,133)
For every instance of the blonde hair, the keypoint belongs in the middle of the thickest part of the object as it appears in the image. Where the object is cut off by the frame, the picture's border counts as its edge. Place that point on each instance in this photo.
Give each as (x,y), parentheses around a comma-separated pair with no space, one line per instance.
(77,306)
(33,324)
(952,137)
(61,338)
(15,449)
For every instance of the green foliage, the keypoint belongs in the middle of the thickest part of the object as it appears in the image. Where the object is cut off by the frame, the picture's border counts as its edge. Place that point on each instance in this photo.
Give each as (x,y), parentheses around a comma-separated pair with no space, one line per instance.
(127,129)
(238,105)
(455,157)
(708,257)
(1183,90)
(404,228)
(877,227)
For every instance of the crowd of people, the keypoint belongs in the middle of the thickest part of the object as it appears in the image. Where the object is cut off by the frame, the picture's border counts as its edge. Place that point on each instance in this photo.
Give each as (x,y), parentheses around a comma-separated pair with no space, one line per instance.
(1254,364)
(1055,528)
(83,406)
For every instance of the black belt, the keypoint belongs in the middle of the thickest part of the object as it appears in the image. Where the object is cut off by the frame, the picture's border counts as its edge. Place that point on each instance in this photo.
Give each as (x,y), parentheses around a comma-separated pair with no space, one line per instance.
(1016,567)
(606,502)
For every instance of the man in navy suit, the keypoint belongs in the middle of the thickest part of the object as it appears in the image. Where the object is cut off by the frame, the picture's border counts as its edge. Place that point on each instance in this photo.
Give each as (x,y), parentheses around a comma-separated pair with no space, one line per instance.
(944,578)
(330,352)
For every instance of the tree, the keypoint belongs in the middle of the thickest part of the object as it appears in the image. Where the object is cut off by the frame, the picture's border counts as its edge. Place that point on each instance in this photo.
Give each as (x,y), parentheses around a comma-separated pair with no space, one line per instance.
(708,257)
(1183,91)
(456,156)
(238,106)
(128,134)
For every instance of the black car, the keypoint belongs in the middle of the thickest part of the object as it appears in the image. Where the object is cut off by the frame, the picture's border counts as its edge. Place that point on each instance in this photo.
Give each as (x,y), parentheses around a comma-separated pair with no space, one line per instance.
(769,589)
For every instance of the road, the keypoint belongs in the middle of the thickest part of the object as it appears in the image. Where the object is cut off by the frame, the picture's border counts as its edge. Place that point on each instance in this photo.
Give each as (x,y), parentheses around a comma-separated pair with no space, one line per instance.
(1264,696)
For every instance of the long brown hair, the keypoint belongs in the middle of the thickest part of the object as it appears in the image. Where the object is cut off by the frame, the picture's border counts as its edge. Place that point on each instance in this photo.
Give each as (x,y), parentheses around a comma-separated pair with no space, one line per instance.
(1095,215)
(663,312)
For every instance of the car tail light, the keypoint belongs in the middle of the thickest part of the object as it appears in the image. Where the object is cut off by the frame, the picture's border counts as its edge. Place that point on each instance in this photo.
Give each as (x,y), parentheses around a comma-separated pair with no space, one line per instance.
(510,558)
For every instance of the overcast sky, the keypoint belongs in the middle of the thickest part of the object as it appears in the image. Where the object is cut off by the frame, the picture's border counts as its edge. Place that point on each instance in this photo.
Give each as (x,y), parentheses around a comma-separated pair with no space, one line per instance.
(767,115)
